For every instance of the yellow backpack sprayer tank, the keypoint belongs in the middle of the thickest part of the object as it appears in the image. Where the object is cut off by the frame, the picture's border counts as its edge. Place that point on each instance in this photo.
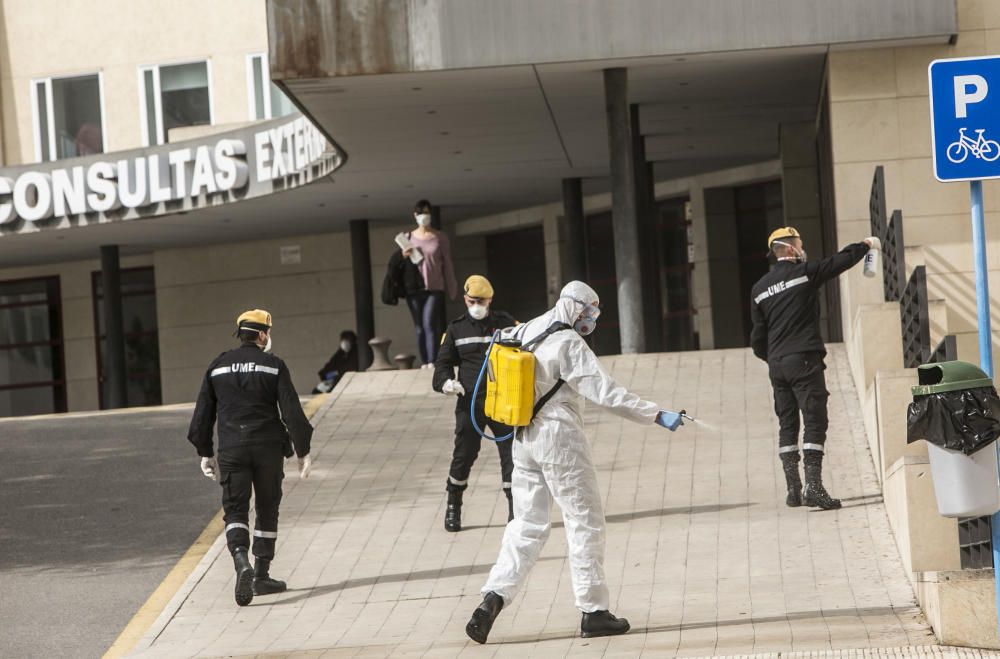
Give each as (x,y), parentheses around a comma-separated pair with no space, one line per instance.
(510,386)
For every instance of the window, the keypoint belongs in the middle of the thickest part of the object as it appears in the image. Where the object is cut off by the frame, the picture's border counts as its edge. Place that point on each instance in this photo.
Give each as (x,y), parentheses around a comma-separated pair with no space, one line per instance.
(32,376)
(174,96)
(68,117)
(142,344)
(266,99)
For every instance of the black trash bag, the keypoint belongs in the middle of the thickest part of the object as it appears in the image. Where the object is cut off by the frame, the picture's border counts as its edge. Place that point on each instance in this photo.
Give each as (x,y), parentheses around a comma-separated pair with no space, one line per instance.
(965,420)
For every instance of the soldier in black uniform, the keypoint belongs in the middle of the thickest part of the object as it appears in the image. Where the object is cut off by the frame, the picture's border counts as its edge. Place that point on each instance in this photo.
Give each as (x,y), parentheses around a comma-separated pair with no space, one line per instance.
(464,346)
(260,420)
(786,334)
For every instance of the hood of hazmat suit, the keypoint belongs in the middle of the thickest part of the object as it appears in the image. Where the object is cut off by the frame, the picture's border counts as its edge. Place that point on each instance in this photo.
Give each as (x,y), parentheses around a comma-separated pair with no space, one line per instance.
(552,458)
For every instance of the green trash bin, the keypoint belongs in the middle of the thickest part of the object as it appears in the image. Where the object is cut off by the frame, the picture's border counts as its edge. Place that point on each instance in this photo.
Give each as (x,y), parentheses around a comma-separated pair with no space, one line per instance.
(956,410)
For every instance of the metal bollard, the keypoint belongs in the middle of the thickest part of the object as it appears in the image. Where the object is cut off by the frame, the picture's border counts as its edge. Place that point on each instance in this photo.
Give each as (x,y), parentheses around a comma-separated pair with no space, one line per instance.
(380,354)
(404,361)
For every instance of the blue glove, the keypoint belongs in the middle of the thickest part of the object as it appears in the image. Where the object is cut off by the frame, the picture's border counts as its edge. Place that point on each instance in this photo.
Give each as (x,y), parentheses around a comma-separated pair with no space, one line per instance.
(669,420)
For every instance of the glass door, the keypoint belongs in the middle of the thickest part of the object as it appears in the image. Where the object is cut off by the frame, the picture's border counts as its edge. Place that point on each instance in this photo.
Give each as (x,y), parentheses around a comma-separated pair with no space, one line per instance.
(674,236)
(32,371)
(142,343)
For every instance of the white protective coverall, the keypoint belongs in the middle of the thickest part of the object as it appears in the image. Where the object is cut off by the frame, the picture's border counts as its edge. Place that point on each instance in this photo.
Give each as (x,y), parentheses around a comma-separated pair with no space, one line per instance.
(552,459)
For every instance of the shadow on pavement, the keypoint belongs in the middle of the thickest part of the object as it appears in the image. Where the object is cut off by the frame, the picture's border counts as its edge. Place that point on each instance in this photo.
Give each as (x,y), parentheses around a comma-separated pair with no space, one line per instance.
(709,624)
(420,575)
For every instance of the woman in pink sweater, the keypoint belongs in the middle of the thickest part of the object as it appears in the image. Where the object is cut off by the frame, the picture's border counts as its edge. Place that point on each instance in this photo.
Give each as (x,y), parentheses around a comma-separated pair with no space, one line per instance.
(427,306)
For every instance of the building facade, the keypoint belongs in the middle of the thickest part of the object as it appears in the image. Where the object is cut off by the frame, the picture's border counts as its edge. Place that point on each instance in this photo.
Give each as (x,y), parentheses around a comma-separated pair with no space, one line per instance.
(153,130)
(206,158)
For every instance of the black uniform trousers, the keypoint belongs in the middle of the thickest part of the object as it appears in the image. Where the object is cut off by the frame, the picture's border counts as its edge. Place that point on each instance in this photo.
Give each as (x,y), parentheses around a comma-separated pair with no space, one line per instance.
(260,467)
(800,387)
(468,442)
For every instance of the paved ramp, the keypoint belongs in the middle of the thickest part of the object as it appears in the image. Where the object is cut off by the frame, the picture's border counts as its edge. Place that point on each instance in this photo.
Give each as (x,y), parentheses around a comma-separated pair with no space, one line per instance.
(703,556)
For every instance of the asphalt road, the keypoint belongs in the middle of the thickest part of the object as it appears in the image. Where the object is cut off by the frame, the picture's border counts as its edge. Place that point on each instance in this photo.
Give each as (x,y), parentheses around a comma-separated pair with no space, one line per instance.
(94,512)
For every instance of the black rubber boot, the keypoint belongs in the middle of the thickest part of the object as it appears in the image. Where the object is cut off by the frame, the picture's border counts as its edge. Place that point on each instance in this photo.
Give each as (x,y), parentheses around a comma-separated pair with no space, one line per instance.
(263,584)
(453,514)
(814,493)
(790,464)
(510,505)
(602,623)
(244,578)
(482,619)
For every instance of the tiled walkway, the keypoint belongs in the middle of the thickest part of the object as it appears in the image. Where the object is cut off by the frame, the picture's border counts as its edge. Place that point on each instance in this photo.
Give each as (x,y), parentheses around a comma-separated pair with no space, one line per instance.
(703,556)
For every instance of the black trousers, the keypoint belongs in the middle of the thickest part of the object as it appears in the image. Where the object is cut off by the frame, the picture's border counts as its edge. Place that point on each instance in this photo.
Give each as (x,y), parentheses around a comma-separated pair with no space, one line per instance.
(800,387)
(468,442)
(260,468)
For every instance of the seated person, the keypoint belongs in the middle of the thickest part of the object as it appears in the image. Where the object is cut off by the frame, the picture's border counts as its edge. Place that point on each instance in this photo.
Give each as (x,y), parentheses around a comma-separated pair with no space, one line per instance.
(344,360)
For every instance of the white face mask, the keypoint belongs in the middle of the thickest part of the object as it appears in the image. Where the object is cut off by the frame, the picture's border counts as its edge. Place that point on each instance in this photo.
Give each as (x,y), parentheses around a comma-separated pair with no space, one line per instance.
(267,346)
(423,219)
(478,311)
(345,345)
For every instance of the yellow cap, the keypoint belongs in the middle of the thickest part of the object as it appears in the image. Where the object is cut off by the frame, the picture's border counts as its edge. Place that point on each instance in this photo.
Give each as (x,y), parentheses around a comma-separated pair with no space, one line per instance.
(783,232)
(478,286)
(254,319)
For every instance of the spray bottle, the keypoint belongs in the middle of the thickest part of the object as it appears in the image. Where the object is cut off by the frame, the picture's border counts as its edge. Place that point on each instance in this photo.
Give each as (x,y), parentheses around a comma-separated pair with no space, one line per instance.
(871,260)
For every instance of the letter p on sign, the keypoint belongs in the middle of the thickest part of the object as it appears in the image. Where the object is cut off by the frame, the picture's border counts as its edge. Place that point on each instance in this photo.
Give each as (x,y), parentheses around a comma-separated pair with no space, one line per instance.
(968,89)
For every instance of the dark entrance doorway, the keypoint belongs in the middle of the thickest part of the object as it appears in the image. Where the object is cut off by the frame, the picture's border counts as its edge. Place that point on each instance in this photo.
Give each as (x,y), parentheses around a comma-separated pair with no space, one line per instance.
(142,343)
(738,221)
(759,209)
(602,277)
(32,365)
(515,265)
(677,303)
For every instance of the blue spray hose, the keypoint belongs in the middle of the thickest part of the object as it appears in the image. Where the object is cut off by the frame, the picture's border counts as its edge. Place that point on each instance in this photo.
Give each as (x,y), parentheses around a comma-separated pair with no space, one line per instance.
(475,395)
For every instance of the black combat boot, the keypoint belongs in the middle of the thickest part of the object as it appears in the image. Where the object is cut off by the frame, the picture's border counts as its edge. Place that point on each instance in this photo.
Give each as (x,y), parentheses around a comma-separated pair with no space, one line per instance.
(244,577)
(815,494)
(790,464)
(510,505)
(263,584)
(453,514)
(482,619)
(602,623)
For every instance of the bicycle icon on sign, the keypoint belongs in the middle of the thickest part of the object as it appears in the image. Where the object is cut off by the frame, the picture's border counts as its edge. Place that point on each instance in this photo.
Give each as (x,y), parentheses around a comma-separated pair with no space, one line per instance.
(982,148)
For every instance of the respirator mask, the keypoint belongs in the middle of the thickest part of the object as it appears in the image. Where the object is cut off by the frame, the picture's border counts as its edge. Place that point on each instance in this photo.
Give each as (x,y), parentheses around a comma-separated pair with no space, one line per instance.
(587,322)
(800,254)
(478,311)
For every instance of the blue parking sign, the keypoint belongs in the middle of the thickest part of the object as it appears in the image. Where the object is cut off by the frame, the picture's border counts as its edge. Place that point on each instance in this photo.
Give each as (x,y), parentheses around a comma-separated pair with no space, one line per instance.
(965,118)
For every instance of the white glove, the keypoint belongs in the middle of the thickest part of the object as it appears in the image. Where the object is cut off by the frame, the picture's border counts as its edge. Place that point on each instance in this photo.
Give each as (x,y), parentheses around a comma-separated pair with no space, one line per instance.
(210,467)
(873,243)
(453,387)
(305,467)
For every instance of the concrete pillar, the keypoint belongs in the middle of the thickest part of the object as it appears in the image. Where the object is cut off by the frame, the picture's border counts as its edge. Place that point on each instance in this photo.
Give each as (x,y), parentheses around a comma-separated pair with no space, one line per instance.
(573,219)
(701,285)
(114,329)
(364,306)
(623,212)
(645,200)
(553,232)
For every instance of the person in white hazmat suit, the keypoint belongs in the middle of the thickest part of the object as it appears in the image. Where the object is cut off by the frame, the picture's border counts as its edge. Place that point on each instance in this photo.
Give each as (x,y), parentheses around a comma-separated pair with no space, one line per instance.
(552,461)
